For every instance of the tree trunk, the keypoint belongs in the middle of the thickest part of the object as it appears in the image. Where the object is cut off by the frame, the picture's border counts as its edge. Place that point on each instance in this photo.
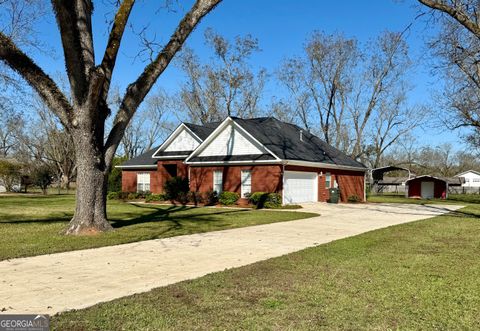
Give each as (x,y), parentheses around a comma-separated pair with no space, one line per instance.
(65,182)
(91,205)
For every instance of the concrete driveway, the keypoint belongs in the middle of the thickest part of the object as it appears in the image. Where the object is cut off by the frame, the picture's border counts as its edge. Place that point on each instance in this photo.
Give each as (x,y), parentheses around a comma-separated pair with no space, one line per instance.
(73,280)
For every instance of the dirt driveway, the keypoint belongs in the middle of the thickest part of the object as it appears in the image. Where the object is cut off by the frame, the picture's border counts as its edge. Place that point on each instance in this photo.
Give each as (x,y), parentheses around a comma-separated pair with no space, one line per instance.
(78,279)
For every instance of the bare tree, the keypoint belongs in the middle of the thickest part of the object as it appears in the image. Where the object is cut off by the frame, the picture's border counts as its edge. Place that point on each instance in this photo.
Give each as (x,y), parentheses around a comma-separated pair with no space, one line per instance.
(84,115)
(355,97)
(393,122)
(293,75)
(440,159)
(49,144)
(319,84)
(458,47)
(149,126)
(11,124)
(381,78)
(226,86)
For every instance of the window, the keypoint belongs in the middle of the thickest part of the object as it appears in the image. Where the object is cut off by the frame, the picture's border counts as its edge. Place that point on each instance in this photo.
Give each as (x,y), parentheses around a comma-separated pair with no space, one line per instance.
(143,182)
(328,180)
(476,180)
(218,181)
(467,180)
(246,183)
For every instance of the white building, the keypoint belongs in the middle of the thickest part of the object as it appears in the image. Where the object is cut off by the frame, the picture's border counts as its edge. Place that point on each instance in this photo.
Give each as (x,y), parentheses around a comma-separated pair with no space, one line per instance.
(472,178)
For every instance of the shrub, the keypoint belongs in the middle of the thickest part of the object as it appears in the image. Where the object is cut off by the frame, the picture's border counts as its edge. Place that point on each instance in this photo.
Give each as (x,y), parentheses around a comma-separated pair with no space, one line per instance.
(113,195)
(42,177)
(228,198)
(354,198)
(115,175)
(133,196)
(265,200)
(257,198)
(210,198)
(195,197)
(183,197)
(176,186)
(274,200)
(123,195)
(155,197)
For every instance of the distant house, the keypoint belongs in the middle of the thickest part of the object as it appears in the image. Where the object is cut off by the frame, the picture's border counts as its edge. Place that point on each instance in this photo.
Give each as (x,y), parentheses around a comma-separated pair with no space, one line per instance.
(246,156)
(472,178)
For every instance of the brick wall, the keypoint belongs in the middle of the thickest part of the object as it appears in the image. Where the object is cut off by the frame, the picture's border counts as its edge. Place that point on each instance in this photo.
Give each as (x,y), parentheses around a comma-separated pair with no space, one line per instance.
(266,178)
(129,180)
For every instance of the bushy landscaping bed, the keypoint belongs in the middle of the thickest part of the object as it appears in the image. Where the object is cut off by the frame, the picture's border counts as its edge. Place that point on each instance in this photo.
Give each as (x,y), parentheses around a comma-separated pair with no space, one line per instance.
(176,190)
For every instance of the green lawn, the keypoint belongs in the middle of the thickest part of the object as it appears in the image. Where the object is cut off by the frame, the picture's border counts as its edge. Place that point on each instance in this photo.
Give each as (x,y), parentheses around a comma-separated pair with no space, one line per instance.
(452,199)
(31,225)
(423,275)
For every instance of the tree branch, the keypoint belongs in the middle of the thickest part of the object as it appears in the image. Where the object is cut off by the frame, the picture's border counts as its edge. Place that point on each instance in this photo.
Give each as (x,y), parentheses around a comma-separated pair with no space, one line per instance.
(74,22)
(114,40)
(37,78)
(459,15)
(137,91)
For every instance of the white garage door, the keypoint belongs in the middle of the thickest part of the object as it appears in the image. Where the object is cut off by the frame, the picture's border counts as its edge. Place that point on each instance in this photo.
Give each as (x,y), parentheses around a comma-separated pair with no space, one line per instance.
(427,190)
(300,187)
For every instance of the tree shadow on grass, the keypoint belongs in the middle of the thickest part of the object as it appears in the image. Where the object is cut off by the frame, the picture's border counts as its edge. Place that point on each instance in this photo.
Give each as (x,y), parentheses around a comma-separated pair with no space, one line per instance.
(169,215)
(157,214)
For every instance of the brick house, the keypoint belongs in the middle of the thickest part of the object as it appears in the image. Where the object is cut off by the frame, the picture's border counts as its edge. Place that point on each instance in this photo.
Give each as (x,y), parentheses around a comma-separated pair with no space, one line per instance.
(245,156)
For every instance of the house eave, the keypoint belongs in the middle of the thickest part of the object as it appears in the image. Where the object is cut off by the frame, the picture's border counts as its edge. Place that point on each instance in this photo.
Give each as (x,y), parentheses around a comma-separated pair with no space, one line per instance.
(247,162)
(323,165)
(150,166)
(171,157)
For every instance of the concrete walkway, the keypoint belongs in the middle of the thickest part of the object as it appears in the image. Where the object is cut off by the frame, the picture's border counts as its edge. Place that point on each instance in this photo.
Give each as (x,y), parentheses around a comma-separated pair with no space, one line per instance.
(73,280)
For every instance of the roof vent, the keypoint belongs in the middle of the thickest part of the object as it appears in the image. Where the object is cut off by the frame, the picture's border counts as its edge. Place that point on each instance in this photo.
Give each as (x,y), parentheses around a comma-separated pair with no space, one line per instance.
(301,135)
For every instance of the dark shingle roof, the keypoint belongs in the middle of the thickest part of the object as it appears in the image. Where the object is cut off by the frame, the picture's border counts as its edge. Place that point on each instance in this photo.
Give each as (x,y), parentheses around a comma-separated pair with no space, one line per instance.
(202,131)
(144,159)
(283,139)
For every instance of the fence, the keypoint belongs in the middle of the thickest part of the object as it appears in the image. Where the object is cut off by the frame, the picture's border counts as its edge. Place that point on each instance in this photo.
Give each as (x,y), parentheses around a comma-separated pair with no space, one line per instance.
(463,190)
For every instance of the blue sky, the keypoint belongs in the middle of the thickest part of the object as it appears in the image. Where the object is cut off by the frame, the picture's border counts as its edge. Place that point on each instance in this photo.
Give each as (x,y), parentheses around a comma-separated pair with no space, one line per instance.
(281,27)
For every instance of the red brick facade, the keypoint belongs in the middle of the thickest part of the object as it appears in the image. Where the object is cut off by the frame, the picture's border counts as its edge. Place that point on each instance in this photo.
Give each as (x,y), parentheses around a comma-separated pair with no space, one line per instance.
(265,178)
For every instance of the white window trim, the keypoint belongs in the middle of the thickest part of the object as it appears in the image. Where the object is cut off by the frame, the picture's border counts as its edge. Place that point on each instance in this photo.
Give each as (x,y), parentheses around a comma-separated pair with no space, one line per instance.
(142,184)
(242,190)
(221,181)
(328,175)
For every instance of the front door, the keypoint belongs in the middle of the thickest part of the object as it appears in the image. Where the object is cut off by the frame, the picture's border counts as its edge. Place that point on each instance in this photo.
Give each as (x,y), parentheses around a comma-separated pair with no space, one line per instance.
(427,190)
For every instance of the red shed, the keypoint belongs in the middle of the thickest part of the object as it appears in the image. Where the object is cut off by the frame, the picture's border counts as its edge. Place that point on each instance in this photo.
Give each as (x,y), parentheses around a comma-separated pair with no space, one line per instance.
(426,187)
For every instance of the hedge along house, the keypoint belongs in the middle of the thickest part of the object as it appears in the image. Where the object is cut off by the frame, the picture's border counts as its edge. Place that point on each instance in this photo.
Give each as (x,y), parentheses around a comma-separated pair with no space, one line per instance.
(427,187)
(246,156)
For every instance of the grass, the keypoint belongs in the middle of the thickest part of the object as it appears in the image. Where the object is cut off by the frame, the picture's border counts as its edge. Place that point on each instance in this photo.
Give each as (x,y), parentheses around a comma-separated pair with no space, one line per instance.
(31,225)
(452,199)
(423,275)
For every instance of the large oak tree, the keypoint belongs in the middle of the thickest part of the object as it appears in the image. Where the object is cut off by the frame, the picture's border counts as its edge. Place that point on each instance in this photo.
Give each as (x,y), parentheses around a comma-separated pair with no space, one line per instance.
(84,112)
